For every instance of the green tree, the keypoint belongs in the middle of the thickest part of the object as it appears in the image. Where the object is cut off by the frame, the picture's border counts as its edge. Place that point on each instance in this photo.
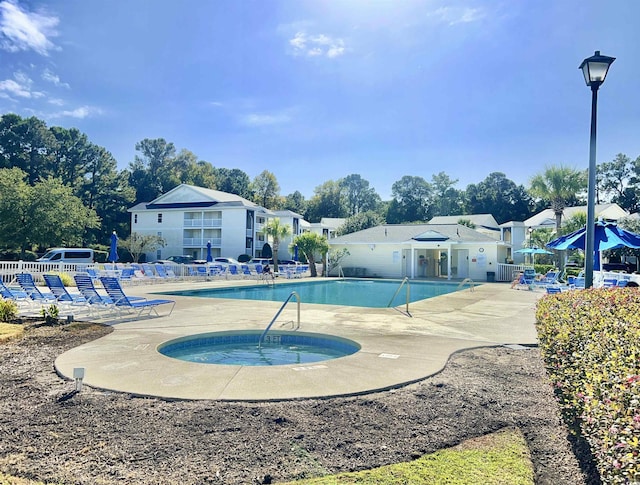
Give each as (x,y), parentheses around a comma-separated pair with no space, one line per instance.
(359,196)
(27,143)
(334,257)
(138,244)
(266,190)
(447,200)
(614,177)
(15,194)
(575,222)
(295,202)
(233,181)
(105,190)
(466,222)
(558,187)
(359,222)
(328,201)
(411,200)
(152,171)
(312,244)
(57,217)
(277,231)
(499,196)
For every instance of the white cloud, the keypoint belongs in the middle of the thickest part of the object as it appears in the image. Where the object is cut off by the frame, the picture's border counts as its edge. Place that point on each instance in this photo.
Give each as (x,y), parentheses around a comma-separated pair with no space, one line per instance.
(263,119)
(80,113)
(56,101)
(303,44)
(21,30)
(47,75)
(459,15)
(19,87)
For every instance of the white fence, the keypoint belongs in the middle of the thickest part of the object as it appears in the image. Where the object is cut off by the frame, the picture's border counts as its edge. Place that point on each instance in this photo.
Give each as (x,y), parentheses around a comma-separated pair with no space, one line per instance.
(507,272)
(8,269)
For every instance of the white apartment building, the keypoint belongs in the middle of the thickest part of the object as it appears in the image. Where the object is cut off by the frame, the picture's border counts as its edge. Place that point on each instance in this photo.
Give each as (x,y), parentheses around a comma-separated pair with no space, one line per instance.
(188,217)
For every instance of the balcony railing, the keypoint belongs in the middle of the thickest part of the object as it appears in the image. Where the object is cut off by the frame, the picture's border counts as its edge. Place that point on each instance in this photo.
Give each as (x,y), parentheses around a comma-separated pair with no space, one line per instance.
(203,223)
(199,242)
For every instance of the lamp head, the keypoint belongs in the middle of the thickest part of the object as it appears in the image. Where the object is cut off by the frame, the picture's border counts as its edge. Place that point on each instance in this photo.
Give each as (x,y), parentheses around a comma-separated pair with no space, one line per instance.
(595,69)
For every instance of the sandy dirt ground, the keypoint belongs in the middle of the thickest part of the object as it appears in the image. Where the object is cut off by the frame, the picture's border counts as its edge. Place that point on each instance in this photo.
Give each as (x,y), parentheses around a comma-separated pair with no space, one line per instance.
(50,433)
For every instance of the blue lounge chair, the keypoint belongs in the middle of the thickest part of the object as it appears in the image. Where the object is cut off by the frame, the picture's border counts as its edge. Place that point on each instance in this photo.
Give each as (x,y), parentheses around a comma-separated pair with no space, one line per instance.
(122,302)
(14,294)
(88,290)
(233,270)
(25,280)
(57,288)
(246,271)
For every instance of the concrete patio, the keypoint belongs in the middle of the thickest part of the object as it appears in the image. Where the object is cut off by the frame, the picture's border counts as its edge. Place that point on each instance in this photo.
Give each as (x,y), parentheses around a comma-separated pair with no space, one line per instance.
(396,349)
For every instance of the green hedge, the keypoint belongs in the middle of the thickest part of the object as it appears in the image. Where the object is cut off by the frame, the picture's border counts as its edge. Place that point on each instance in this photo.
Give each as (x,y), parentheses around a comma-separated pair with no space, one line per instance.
(590,341)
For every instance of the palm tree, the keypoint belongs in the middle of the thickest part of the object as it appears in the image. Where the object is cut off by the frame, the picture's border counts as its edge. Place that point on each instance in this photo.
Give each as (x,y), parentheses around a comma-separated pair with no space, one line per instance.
(277,231)
(558,186)
(312,243)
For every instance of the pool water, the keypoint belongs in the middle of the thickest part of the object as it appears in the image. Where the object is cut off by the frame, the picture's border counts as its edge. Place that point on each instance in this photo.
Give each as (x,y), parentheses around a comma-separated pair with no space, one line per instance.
(241,348)
(346,292)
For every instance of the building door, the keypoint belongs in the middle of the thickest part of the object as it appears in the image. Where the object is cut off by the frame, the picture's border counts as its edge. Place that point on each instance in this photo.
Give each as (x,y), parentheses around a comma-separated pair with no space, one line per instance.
(461,263)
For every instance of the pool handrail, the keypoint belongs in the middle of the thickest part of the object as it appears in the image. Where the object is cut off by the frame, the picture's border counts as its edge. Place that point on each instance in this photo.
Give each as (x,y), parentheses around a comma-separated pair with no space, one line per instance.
(405,280)
(293,293)
(468,281)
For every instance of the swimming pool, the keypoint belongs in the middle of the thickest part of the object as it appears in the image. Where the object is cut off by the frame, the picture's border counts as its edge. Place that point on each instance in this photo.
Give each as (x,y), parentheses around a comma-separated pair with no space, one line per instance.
(241,348)
(344,292)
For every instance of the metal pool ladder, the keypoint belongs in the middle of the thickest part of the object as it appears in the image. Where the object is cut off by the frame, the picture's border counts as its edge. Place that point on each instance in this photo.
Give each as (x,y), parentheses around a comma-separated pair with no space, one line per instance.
(405,280)
(293,293)
(468,281)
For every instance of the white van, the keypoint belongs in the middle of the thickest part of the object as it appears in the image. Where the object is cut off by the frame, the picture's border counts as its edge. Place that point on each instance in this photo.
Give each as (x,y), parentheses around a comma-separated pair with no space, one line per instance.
(67,255)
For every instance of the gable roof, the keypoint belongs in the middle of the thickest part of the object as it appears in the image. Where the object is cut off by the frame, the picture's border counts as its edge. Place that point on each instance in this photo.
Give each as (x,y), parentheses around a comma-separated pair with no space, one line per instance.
(481,220)
(406,233)
(547,218)
(186,196)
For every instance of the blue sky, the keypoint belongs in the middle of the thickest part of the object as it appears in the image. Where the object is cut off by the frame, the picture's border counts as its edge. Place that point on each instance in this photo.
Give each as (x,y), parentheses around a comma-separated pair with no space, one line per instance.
(316,90)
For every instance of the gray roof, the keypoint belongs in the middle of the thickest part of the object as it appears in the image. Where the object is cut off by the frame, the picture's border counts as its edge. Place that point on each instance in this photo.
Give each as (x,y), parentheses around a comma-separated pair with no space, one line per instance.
(404,233)
(546,217)
(484,220)
(287,213)
(184,196)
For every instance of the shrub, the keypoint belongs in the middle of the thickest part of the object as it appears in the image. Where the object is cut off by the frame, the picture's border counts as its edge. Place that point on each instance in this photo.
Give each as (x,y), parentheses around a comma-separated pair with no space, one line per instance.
(50,315)
(8,310)
(67,279)
(590,341)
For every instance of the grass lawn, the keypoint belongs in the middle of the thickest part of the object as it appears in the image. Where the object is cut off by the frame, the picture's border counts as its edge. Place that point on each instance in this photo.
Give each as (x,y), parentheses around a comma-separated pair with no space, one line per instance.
(501,458)
(8,331)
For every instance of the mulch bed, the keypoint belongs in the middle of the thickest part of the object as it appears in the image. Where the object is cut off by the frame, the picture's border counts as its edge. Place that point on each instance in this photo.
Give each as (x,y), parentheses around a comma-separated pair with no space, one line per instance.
(50,433)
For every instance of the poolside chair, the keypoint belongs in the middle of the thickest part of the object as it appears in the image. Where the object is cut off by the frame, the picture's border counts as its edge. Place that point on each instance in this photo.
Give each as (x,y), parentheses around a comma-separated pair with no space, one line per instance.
(258,269)
(57,288)
(149,272)
(553,290)
(28,285)
(161,271)
(17,295)
(122,302)
(217,270)
(246,271)
(232,269)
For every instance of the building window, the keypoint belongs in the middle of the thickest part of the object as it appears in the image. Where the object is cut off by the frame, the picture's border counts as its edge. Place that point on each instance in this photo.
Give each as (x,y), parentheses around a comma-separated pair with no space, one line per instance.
(135,218)
(159,218)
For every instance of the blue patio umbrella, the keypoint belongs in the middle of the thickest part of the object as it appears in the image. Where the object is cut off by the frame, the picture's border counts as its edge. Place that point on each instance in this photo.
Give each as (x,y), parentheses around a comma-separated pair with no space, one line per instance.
(608,235)
(533,252)
(209,257)
(113,249)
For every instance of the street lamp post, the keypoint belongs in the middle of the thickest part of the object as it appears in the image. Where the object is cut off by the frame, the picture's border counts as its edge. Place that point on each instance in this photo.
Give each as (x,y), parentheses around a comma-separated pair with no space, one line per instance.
(595,70)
